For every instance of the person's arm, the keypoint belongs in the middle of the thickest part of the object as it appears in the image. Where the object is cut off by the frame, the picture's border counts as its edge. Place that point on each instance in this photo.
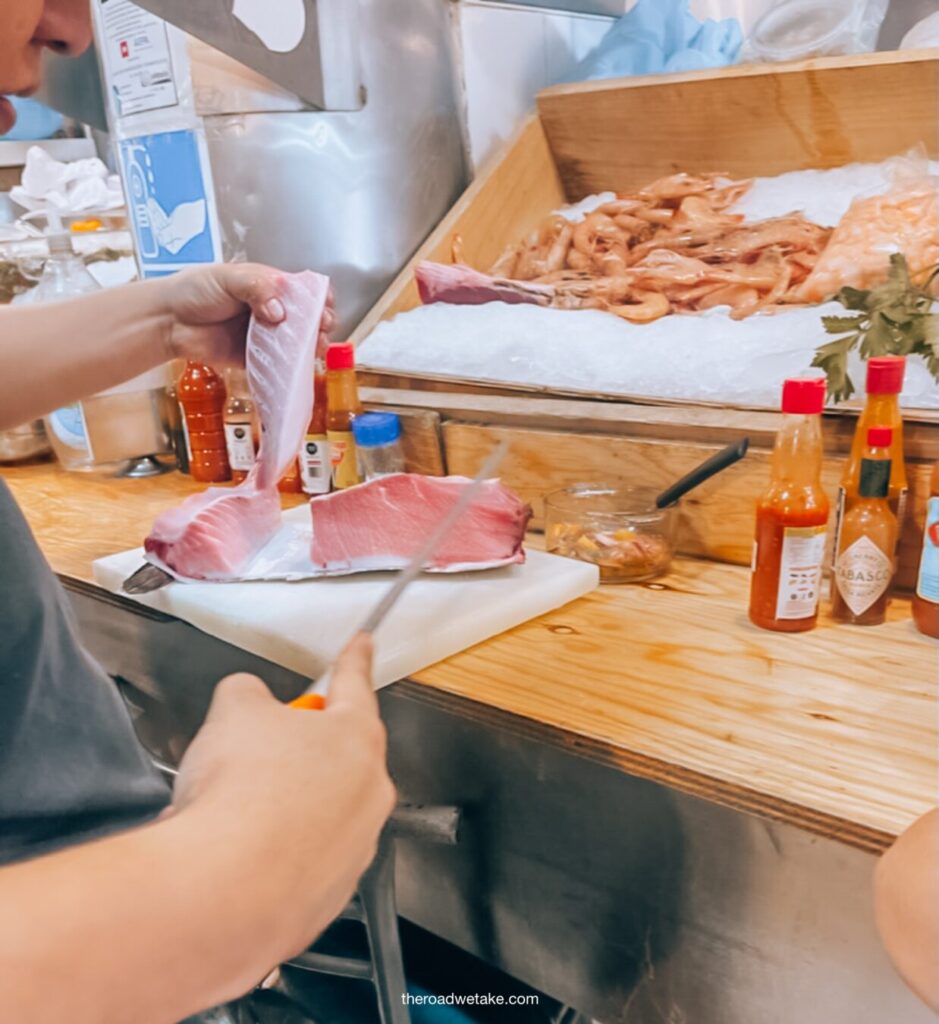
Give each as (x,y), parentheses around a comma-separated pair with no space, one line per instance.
(906,897)
(275,816)
(56,353)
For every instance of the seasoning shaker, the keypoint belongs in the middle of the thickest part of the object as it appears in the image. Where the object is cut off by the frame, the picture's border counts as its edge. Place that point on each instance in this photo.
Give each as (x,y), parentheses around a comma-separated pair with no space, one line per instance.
(378,440)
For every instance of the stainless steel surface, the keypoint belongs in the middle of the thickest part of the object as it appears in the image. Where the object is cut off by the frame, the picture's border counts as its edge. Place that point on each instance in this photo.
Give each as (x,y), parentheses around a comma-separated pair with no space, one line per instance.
(23,442)
(323,66)
(146,579)
(612,8)
(615,895)
(127,425)
(72,85)
(350,194)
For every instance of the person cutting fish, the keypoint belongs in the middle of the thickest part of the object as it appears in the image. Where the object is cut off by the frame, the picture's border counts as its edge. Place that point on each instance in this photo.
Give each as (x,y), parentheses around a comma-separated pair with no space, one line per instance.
(119,901)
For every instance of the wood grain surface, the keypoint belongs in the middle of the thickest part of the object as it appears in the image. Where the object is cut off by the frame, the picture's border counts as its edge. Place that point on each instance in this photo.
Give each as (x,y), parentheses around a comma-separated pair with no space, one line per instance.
(834,731)
(716,519)
(508,198)
(753,120)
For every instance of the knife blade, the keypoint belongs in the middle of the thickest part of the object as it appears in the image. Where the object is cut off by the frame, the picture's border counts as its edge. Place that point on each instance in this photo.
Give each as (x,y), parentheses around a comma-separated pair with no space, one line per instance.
(420,558)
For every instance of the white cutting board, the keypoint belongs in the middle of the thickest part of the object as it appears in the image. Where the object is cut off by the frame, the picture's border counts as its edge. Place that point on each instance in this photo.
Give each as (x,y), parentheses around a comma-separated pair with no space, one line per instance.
(304,625)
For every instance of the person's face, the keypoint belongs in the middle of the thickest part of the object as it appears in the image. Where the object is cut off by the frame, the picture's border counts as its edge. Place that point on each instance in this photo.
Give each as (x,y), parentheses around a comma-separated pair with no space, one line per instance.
(26,26)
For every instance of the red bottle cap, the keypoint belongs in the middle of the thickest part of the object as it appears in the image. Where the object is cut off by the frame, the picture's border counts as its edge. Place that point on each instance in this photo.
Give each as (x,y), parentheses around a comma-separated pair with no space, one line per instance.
(804,396)
(340,356)
(880,437)
(885,375)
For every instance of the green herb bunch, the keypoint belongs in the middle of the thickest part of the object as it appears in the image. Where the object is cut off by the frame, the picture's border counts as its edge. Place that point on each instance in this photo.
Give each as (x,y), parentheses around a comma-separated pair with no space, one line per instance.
(895,318)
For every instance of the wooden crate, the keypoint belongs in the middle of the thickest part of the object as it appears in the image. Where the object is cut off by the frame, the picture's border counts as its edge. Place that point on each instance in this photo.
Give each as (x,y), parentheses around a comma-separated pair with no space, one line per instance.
(747,121)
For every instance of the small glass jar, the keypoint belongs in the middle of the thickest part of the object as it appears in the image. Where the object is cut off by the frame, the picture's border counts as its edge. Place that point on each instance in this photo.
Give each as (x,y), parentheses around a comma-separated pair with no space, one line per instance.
(616,528)
(378,441)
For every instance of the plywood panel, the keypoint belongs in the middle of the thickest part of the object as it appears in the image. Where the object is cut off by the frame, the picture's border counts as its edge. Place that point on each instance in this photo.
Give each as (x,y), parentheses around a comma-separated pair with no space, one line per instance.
(747,121)
(717,518)
(833,730)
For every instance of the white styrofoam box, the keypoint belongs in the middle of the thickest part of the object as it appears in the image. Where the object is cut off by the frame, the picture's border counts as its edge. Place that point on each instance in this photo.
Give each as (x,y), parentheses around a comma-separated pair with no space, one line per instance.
(510,52)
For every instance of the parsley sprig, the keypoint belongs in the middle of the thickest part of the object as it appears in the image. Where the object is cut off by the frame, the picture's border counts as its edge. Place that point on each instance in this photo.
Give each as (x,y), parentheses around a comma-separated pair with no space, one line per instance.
(895,318)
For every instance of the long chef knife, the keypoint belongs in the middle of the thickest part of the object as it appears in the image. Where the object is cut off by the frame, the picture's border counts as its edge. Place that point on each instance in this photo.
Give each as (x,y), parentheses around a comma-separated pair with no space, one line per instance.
(311,699)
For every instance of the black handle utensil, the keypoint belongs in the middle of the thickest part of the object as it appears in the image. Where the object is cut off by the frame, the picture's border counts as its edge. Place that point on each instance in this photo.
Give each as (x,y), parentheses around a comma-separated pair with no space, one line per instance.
(714,465)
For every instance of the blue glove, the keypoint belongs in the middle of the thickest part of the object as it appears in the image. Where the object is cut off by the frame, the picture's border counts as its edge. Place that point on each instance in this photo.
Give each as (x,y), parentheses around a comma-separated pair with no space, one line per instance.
(662,35)
(33,121)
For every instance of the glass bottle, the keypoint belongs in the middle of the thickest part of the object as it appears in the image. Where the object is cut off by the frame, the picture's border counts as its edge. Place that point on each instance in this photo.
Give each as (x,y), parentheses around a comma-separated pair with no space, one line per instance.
(926,598)
(241,433)
(792,518)
(315,464)
(202,397)
(882,408)
(342,406)
(864,561)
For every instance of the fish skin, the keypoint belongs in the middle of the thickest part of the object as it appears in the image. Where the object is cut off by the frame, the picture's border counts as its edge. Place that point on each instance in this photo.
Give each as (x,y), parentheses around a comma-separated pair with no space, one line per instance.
(380,524)
(460,285)
(280,362)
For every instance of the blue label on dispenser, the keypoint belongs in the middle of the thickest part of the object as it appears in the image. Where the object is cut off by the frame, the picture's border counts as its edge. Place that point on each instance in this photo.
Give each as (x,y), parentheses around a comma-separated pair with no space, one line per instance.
(168,185)
(928,584)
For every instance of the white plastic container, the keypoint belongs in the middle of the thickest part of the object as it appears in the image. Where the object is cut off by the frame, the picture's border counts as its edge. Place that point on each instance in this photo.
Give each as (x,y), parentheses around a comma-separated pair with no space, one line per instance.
(800,29)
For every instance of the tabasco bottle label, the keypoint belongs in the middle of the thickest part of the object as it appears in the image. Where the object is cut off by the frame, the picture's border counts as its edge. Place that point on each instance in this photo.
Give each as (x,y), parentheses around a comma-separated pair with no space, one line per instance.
(862,574)
(927,585)
(800,572)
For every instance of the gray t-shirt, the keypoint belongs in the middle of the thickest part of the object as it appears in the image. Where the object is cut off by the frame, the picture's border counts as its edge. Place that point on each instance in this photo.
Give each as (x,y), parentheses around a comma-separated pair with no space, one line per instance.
(70,765)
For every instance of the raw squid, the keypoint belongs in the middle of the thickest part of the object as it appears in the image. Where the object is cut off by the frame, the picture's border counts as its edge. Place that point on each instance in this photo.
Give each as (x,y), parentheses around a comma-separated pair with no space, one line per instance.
(380,524)
(216,534)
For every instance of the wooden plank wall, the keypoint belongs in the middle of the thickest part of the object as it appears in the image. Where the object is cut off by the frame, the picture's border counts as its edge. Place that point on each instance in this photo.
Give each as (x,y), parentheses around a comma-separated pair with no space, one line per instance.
(753,120)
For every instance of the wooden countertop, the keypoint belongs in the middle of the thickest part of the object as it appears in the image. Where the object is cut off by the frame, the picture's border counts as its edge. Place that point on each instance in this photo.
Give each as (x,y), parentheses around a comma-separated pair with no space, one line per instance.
(834,730)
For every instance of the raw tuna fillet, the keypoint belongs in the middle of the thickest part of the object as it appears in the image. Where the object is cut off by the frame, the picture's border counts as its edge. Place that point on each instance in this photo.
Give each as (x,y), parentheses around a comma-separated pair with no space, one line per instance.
(214,535)
(463,286)
(280,364)
(381,524)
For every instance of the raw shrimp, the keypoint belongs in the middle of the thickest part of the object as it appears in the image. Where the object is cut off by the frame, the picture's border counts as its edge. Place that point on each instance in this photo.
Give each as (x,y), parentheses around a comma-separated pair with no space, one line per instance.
(596,233)
(648,306)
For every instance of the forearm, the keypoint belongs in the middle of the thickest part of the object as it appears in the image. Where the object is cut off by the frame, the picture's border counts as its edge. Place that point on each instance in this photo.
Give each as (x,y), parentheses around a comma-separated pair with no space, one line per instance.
(57,353)
(149,926)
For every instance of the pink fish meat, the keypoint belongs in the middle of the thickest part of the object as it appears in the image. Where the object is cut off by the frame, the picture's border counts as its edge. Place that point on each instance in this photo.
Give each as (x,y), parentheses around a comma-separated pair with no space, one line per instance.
(280,364)
(463,286)
(216,534)
(381,524)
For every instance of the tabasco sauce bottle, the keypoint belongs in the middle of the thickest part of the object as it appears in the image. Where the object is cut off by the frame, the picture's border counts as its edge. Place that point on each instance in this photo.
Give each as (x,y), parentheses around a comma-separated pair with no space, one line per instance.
(315,465)
(864,561)
(201,393)
(792,518)
(884,384)
(926,599)
(342,406)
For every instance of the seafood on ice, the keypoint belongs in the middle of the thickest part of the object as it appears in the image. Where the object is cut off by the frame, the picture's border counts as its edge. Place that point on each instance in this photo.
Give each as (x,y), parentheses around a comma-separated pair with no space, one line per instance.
(380,524)
(675,246)
(216,534)
(904,220)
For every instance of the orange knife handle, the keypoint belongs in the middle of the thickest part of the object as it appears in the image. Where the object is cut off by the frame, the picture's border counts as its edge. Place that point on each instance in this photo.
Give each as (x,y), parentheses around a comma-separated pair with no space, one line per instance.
(309,702)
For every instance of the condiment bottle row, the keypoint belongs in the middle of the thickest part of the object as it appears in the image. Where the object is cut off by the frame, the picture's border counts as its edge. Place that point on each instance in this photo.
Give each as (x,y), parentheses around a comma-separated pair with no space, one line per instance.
(792,515)
(217,435)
